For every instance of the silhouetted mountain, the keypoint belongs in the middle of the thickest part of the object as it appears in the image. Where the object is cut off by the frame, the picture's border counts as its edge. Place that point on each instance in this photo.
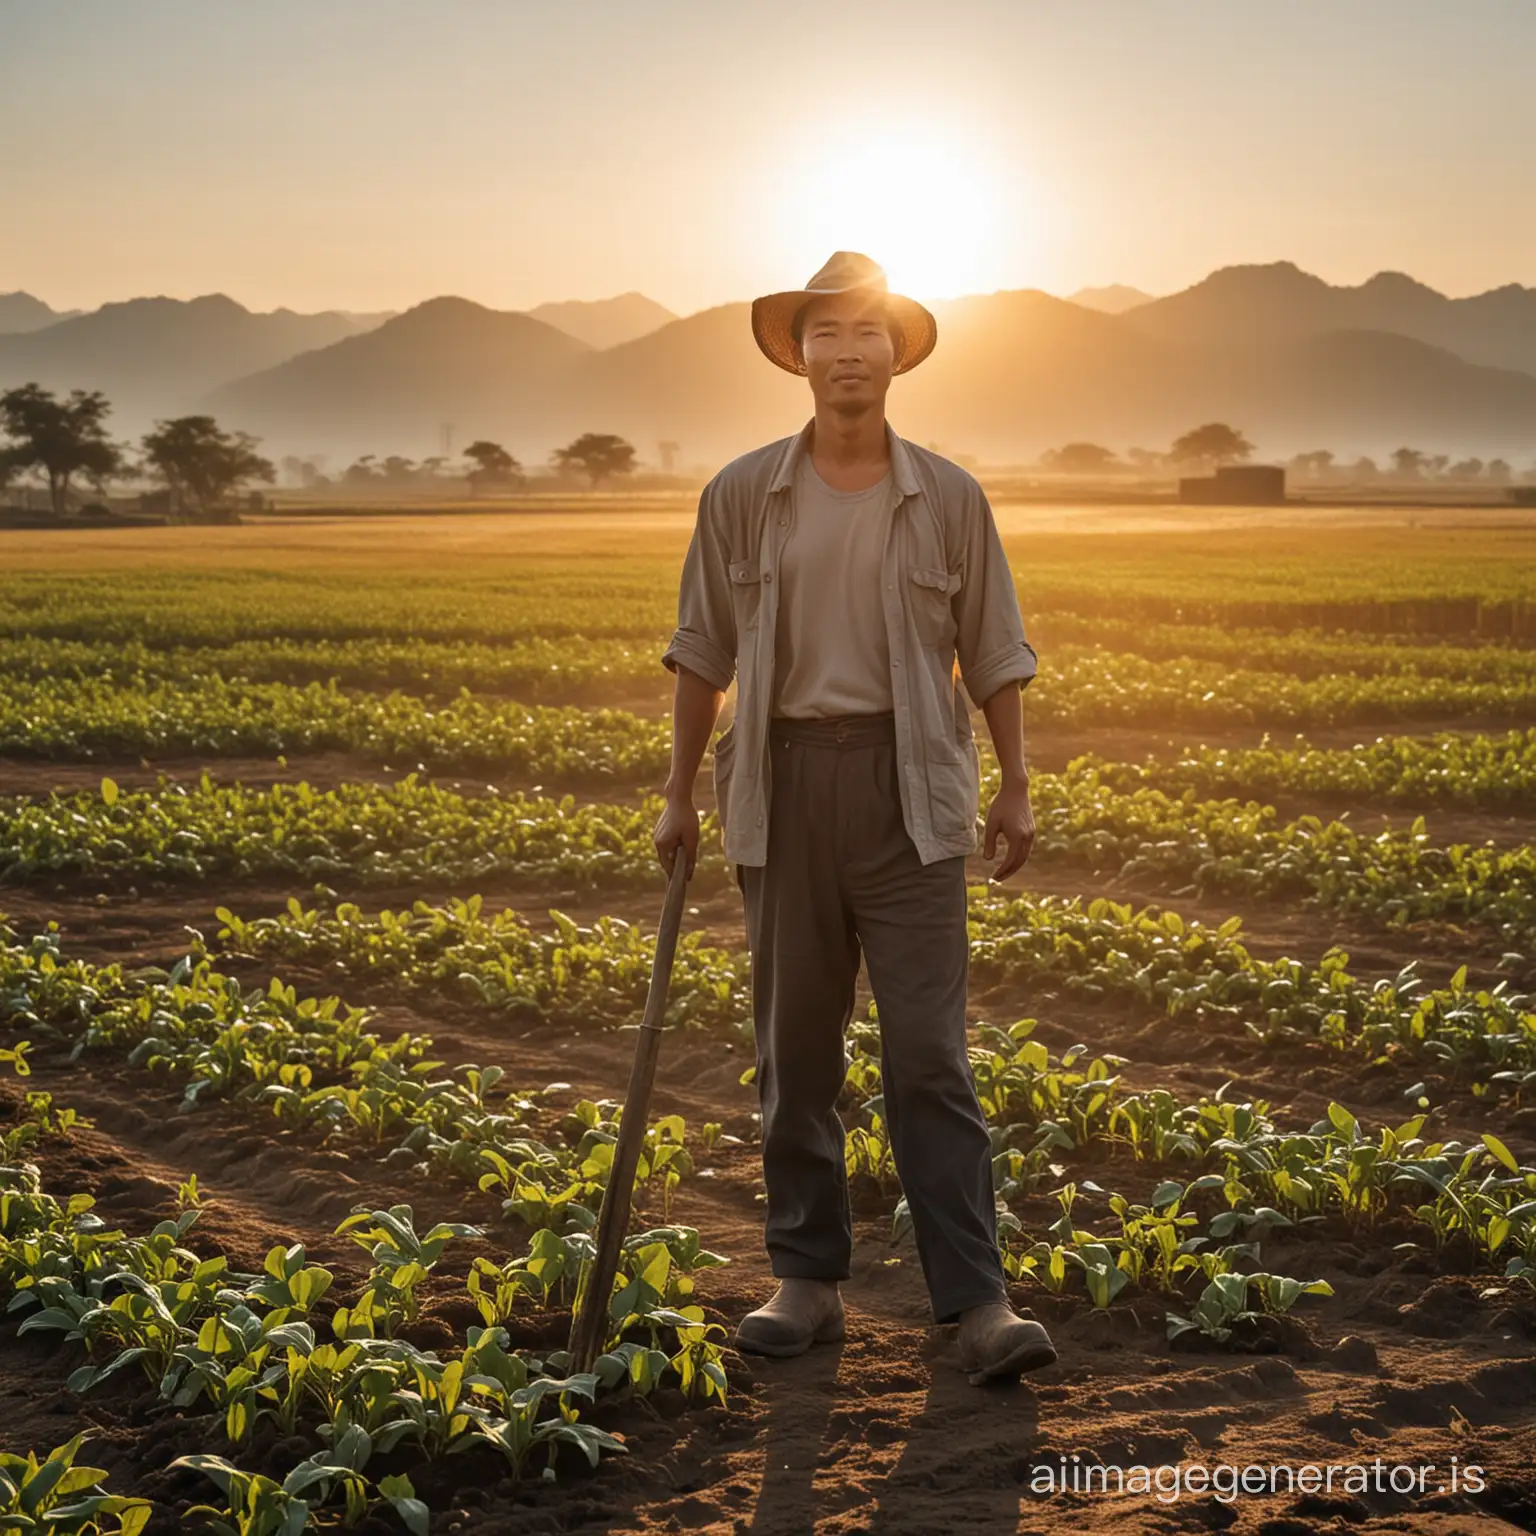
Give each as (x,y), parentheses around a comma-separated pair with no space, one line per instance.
(21,313)
(159,357)
(605,322)
(446,362)
(1239,306)
(1115,299)
(1014,372)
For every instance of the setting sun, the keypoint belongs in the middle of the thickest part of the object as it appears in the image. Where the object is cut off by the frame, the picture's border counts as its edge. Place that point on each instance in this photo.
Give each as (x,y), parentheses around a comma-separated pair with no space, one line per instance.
(925,205)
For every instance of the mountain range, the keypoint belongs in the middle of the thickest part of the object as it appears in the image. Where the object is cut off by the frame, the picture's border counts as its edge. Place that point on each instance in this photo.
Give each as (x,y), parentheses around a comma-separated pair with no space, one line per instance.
(1293,361)
(20,312)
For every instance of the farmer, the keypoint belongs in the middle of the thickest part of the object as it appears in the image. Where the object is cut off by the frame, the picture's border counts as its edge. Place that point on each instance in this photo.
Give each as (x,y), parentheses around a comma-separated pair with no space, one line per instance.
(841,574)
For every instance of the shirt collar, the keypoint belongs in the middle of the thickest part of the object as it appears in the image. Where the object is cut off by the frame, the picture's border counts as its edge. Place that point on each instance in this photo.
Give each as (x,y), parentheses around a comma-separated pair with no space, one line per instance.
(901,459)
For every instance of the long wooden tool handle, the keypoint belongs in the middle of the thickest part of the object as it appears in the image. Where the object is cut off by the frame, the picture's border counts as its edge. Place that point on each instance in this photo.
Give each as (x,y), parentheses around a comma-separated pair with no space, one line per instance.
(589,1323)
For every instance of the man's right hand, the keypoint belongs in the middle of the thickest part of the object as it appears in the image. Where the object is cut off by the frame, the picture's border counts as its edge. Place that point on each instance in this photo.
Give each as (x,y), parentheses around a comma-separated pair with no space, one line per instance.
(677,827)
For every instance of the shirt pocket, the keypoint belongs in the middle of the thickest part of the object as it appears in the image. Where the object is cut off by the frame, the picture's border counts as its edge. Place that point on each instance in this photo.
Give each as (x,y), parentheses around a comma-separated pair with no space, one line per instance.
(929,601)
(746,593)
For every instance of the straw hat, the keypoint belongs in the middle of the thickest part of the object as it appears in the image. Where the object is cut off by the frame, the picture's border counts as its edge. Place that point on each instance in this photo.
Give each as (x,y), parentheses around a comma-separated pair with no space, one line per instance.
(773,315)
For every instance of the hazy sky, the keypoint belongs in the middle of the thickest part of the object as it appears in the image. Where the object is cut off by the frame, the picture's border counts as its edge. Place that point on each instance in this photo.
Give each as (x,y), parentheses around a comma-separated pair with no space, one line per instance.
(367,154)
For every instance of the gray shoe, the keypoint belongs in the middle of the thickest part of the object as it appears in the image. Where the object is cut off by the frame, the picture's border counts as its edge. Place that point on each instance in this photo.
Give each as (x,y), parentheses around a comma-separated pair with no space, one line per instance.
(802,1313)
(996,1344)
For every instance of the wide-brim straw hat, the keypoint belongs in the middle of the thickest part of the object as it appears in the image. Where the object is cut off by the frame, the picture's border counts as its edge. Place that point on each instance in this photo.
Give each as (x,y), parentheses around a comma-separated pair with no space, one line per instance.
(773,315)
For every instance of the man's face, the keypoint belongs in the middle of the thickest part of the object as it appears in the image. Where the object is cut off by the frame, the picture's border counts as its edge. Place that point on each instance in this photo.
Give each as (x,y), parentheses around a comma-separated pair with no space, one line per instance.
(846,344)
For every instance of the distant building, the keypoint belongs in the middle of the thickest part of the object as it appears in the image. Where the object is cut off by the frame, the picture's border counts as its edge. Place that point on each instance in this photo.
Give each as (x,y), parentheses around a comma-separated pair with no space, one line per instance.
(1236,485)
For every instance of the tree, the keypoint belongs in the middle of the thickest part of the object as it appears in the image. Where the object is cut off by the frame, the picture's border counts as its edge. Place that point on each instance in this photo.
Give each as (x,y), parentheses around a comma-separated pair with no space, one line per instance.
(493,466)
(1364,469)
(598,455)
(203,464)
(1499,470)
(62,438)
(1213,445)
(1318,462)
(1466,469)
(1079,459)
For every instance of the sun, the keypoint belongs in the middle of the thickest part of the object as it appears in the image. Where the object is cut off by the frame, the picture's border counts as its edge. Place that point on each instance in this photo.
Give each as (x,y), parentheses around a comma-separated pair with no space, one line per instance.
(925,207)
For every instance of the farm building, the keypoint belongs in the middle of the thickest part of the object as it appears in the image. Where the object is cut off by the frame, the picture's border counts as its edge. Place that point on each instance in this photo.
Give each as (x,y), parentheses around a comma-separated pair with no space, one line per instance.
(1257,485)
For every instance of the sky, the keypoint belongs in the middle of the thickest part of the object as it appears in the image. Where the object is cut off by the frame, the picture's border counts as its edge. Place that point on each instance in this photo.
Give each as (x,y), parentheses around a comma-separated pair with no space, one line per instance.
(370,154)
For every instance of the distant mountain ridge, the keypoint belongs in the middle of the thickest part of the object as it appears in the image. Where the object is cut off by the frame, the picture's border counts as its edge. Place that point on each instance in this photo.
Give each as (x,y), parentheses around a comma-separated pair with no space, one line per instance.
(1014,372)
(1293,361)
(605,322)
(21,313)
(159,356)
(1114,299)
(1239,305)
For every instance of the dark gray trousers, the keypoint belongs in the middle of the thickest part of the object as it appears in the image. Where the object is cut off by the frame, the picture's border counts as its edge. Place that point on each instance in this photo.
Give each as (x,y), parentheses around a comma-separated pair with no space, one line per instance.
(842,873)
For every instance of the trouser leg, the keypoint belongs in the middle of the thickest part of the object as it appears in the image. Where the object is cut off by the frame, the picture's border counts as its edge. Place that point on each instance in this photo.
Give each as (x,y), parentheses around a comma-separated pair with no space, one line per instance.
(805,962)
(911,920)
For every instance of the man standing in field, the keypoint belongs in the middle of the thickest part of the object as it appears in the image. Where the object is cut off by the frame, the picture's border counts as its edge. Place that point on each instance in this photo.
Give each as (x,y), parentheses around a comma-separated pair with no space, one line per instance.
(840,575)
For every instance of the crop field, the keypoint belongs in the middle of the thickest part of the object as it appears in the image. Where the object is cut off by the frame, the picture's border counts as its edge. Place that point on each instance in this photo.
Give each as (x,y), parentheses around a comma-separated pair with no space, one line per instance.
(328,912)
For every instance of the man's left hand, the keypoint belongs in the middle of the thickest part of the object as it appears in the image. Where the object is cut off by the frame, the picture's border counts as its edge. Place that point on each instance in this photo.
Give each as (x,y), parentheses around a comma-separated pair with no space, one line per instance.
(1011,818)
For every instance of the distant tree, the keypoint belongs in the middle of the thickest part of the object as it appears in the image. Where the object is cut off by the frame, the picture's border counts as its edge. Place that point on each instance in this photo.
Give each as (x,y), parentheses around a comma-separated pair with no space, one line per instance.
(202,464)
(61,438)
(361,471)
(1145,459)
(1436,464)
(1078,459)
(1318,462)
(493,466)
(432,468)
(1364,469)
(1499,470)
(598,455)
(1212,445)
(1466,469)
(1408,462)
(396,470)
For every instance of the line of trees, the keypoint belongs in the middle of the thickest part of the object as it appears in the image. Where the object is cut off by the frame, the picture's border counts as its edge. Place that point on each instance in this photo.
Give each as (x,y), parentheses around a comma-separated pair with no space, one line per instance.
(487,467)
(62,441)
(1216,443)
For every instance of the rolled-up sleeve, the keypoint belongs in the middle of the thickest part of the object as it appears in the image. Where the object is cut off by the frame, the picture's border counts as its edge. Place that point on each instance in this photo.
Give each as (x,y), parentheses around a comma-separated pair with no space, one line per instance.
(705,638)
(989,638)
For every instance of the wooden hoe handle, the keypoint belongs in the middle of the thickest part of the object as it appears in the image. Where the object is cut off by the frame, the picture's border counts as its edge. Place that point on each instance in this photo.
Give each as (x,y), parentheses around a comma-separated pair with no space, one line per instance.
(589,1320)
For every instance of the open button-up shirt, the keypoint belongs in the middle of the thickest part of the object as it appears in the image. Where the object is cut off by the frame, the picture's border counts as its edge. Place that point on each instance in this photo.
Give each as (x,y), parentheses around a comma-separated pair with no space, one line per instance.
(951,617)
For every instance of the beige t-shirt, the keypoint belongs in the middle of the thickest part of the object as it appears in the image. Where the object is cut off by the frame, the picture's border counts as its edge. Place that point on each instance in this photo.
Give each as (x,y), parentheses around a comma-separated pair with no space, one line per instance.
(831,654)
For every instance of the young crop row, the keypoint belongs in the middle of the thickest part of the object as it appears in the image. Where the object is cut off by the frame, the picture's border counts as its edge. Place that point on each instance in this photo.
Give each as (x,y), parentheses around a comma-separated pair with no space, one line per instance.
(315,1064)
(84,718)
(411,831)
(404,832)
(1483,771)
(244,1350)
(286,696)
(1234,1179)
(1303,653)
(616,584)
(256,1347)
(597,975)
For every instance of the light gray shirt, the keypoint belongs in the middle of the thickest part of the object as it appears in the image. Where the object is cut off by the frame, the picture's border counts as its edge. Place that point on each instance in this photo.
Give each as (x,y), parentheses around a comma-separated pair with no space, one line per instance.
(951,615)
(831,656)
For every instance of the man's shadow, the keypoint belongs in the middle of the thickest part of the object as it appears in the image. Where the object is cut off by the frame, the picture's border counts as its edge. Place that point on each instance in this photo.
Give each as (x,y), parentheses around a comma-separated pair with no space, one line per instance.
(960,1469)
(800,1403)
(962,1464)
